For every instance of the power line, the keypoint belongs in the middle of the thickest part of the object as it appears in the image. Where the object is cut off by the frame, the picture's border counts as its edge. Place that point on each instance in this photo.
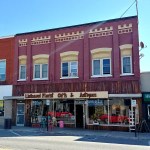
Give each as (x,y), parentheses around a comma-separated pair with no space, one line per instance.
(128,8)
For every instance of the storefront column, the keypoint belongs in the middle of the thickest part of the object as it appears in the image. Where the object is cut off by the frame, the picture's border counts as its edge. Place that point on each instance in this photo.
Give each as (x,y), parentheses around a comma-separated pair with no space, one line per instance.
(108,110)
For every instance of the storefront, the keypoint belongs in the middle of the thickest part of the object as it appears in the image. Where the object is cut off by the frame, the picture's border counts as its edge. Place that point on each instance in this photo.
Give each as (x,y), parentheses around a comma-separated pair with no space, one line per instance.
(69,107)
(146,106)
(92,110)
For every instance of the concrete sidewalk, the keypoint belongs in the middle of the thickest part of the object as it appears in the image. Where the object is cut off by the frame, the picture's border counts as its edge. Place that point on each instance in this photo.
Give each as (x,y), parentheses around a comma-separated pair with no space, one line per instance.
(86,132)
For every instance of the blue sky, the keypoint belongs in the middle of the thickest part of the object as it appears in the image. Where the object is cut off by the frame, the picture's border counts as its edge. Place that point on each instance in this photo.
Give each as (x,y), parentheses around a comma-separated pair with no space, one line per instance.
(19,16)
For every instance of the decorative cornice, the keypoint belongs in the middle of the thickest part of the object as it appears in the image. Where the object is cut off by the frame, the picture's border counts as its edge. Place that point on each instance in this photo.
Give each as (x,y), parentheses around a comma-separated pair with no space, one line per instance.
(23,42)
(69,36)
(41,40)
(101,32)
(124,28)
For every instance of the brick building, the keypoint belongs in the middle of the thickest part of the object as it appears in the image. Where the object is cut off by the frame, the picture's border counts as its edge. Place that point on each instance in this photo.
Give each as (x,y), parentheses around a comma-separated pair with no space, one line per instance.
(84,75)
(6,72)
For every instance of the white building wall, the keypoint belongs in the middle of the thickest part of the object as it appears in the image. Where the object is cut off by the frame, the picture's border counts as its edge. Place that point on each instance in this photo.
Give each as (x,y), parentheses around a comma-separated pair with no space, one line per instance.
(5,90)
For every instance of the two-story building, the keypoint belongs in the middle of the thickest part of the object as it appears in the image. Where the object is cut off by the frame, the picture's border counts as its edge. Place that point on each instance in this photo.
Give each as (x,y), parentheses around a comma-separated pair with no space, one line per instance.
(6,74)
(85,75)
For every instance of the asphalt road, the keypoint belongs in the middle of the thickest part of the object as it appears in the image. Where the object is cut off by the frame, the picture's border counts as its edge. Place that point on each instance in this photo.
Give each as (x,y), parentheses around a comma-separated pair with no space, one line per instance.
(23,140)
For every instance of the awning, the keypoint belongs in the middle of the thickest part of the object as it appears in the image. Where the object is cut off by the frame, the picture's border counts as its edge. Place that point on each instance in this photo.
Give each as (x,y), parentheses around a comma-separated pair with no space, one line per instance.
(13,97)
(125,95)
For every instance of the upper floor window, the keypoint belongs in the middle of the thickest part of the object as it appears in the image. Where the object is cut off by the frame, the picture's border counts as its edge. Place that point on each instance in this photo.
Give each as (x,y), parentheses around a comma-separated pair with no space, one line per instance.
(101,67)
(40,63)
(101,62)
(126,64)
(70,69)
(22,67)
(22,72)
(126,59)
(40,71)
(2,70)
(69,64)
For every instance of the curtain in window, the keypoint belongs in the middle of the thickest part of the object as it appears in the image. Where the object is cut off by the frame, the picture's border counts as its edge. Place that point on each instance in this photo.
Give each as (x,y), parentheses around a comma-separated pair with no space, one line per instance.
(65,69)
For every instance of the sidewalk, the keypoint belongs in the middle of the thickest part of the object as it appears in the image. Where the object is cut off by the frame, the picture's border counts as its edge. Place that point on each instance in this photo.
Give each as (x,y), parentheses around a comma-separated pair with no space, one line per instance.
(86,132)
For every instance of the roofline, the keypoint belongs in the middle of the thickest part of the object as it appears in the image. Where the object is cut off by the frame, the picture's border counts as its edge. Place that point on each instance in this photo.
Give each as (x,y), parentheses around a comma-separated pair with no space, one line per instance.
(6,37)
(85,24)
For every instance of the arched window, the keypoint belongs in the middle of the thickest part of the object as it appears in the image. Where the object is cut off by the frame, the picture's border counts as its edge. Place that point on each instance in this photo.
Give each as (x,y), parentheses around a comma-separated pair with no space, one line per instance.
(69,64)
(22,67)
(126,59)
(40,65)
(101,62)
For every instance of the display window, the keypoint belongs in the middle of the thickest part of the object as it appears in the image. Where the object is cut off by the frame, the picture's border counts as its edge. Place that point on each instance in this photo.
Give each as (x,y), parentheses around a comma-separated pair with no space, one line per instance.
(115,111)
(59,110)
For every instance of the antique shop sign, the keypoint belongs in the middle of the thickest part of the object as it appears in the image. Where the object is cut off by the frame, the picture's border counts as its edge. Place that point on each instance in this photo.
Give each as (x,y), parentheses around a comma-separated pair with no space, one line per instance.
(67,95)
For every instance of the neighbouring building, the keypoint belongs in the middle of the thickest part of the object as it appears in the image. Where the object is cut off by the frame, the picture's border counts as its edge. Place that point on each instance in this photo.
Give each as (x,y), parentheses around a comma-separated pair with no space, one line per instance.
(85,75)
(145,88)
(6,74)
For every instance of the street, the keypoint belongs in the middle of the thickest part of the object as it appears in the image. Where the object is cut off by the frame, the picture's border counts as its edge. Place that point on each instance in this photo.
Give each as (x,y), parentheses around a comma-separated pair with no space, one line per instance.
(23,140)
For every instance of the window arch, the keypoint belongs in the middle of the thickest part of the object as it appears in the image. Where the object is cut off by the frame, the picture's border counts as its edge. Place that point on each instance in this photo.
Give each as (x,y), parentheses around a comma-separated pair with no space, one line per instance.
(40,65)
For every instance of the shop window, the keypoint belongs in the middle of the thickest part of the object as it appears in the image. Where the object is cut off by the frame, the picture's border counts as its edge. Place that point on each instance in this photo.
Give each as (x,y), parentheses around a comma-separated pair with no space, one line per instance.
(41,71)
(61,110)
(22,72)
(2,70)
(101,67)
(70,69)
(115,112)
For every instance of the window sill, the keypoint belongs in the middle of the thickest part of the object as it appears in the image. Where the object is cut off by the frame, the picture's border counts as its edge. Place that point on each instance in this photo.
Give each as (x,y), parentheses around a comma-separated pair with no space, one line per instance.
(21,80)
(69,77)
(39,79)
(127,74)
(98,76)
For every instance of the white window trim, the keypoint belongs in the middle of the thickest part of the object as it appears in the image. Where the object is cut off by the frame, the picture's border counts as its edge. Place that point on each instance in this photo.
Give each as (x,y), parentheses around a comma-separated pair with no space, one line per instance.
(20,73)
(40,73)
(5,68)
(69,70)
(126,74)
(101,69)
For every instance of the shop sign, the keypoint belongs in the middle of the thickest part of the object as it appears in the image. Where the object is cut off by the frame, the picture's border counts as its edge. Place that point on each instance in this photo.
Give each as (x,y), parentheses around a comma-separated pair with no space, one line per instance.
(67,95)
(95,102)
(133,103)
(146,97)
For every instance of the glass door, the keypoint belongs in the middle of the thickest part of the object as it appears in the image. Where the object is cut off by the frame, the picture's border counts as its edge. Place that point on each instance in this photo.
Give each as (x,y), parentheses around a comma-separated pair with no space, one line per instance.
(20,114)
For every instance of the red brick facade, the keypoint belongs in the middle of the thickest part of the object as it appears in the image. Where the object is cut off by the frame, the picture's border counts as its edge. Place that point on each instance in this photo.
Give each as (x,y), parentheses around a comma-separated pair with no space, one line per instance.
(7,53)
(83,39)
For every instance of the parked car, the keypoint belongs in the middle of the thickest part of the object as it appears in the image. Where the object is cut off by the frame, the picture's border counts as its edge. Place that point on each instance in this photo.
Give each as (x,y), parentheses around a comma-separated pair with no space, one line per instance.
(114,118)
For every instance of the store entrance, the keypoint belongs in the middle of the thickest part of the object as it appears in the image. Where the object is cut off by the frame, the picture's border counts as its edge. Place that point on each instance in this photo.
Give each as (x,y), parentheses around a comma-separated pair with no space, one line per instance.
(79,116)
